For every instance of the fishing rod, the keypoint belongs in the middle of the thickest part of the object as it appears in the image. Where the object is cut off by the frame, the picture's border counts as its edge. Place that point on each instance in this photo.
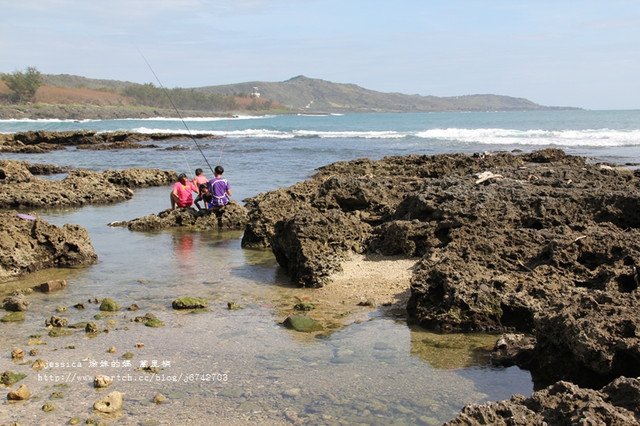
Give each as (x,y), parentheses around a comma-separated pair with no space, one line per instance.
(166,92)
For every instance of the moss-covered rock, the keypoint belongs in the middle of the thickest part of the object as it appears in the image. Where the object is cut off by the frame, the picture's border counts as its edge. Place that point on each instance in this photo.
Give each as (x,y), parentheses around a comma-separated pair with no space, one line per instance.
(59,332)
(303,324)
(150,320)
(13,317)
(188,302)
(109,305)
(8,378)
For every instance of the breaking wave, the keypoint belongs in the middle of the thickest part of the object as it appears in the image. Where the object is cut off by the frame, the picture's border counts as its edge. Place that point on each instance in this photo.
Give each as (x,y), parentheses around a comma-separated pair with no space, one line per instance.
(589,137)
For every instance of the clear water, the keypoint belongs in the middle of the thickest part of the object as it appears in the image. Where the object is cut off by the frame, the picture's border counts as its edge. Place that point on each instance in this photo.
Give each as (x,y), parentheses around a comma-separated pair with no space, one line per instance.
(375,370)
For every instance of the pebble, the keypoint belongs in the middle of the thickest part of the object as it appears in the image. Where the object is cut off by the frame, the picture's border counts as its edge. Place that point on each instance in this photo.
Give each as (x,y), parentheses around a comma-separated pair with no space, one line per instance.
(110,403)
(39,364)
(17,353)
(91,327)
(102,381)
(111,350)
(19,394)
(48,407)
(159,398)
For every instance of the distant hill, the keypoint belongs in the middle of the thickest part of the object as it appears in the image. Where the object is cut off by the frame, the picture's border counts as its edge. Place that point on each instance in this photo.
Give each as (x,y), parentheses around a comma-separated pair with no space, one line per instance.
(81,97)
(314,95)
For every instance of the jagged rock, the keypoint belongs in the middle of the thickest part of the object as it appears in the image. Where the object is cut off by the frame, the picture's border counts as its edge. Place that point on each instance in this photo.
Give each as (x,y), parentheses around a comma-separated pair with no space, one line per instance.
(31,245)
(552,248)
(513,349)
(44,141)
(234,217)
(589,338)
(311,247)
(560,403)
(21,189)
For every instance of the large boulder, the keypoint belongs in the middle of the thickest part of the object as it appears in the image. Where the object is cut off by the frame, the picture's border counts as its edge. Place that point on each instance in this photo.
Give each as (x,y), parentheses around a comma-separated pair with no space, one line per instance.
(310,246)
(30,245)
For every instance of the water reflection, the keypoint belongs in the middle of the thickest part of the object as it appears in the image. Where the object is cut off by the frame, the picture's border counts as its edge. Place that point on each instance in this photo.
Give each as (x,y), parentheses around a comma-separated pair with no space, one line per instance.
(451,351)
(365,368)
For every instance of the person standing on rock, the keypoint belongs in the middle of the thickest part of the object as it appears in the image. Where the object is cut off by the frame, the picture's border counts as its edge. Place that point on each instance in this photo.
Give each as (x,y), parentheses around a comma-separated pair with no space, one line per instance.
(182,193)
(220,192)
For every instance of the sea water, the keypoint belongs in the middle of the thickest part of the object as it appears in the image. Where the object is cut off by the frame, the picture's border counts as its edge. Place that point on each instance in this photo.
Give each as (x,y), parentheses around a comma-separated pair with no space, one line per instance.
(222,366)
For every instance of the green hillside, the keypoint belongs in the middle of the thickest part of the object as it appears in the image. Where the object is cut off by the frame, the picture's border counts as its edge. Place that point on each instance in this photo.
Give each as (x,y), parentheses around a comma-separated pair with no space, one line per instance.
(307,94)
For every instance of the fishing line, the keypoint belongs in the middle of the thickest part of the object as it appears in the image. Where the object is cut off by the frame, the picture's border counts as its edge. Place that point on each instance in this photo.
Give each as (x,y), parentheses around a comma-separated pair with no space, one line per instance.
(166,92)
(221,148)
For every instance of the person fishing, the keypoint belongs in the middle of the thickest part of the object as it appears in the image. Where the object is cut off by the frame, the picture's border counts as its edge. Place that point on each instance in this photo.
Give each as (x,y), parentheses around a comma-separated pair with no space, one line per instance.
(220,191)
(181,195)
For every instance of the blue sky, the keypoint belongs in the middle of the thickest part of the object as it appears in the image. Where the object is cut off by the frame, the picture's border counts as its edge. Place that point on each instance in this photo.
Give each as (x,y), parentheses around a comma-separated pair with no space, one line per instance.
(576,53)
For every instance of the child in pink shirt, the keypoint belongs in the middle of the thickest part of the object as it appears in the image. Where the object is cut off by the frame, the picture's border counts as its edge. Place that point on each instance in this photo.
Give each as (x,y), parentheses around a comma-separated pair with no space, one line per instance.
(200,178)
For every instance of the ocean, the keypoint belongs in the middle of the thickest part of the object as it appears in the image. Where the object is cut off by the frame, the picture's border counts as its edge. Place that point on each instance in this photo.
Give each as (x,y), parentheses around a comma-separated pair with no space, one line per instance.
(375,370)
(265,152)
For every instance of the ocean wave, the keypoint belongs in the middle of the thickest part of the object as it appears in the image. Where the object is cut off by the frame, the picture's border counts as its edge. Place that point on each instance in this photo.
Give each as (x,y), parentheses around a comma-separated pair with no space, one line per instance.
(587,137)
(280,134)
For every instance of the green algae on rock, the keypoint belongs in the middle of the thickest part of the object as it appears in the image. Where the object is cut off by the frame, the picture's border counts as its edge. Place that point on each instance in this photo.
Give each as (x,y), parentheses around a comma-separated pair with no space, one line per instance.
(109,305)
(9,378)
(302,323)
(187,302)
(13,317)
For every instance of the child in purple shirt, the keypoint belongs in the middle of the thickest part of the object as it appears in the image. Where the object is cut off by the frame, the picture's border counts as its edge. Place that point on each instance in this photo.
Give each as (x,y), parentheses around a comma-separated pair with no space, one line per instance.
(220,190)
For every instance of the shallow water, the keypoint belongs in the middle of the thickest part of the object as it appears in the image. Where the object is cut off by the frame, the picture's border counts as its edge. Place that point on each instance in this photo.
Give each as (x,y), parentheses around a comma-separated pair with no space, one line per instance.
(376,371)
(243,366)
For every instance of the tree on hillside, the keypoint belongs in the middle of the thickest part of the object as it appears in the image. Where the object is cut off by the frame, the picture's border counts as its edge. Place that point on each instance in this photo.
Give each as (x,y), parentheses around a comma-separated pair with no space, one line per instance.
(23,85)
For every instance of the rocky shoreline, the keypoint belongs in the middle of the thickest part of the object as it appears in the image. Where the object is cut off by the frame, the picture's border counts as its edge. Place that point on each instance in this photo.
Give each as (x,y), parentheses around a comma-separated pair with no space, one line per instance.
(544,244)
(541,243)
(21,189)
(29,244)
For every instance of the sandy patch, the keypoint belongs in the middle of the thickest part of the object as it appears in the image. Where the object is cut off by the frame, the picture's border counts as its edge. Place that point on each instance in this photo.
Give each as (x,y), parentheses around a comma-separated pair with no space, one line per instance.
(366,284)
(381,280)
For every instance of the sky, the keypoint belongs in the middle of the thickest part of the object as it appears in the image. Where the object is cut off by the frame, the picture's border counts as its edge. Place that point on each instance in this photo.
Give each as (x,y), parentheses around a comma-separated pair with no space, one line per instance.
(581,53)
